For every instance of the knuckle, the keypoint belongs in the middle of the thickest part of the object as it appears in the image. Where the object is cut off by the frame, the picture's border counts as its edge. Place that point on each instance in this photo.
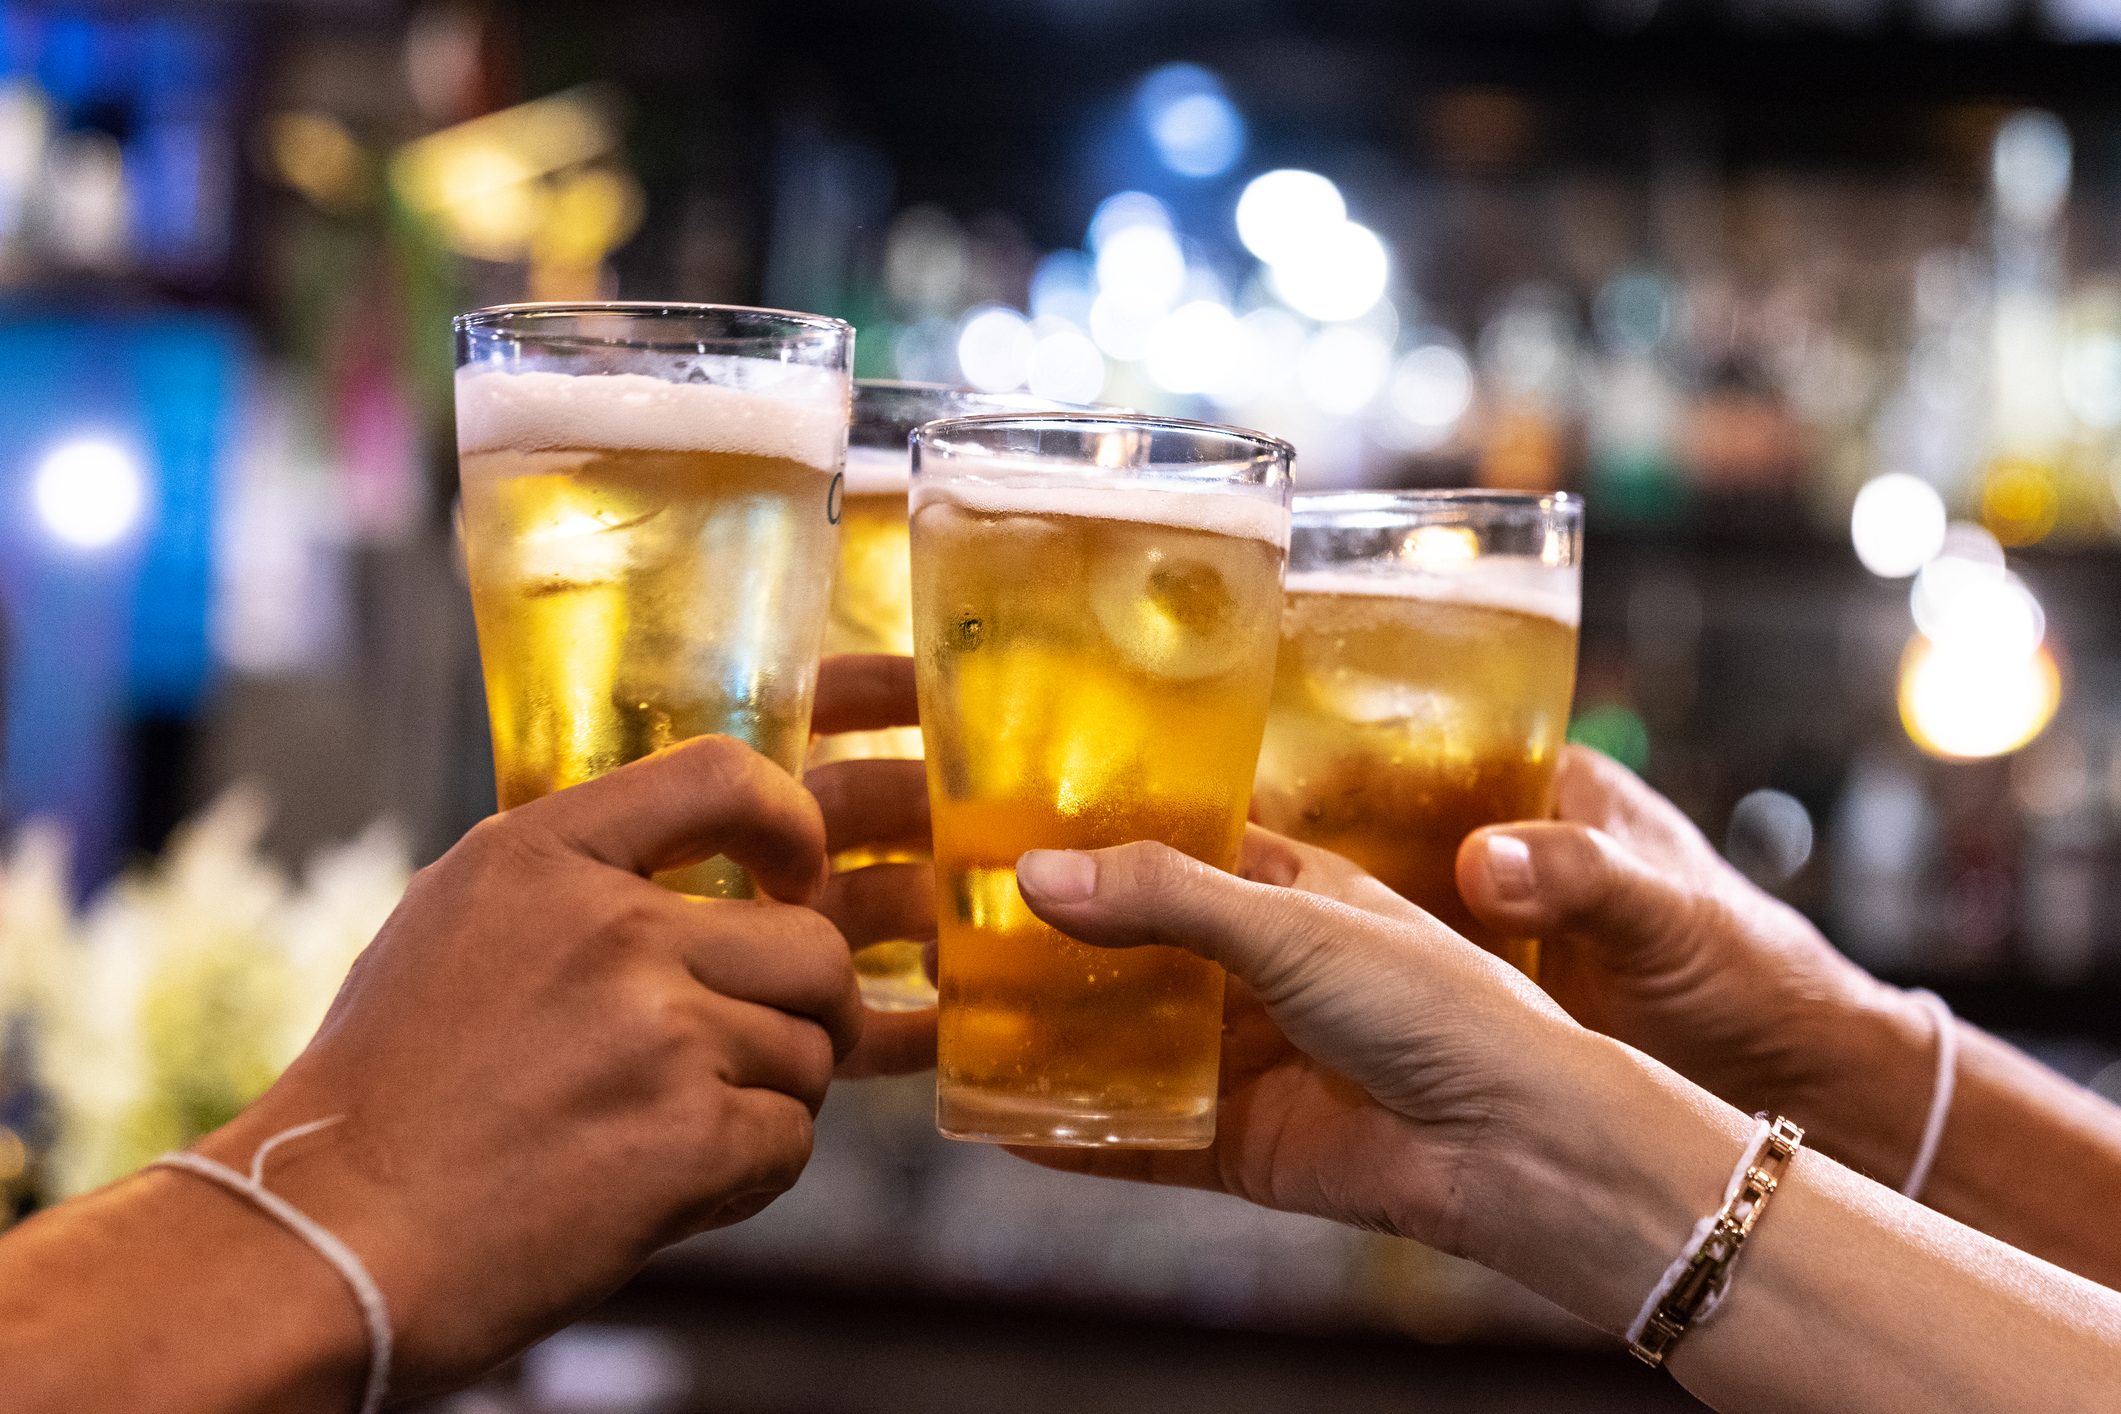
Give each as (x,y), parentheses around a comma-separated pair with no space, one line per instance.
(1148,867)
(810,936)
(811,1063)
(494,839)
(773,1131)
(1593,864)
(791,1147)
(634,921)
(1307,929)
(715,769)
(666,1028)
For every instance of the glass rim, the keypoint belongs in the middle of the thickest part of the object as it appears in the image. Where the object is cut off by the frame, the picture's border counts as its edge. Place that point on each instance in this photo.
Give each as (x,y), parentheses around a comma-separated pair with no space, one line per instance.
(1326,505)
(501,316)
(1262,447)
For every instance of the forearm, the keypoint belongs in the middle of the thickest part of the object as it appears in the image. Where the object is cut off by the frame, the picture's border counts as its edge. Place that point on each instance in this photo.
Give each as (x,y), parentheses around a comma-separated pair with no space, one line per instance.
(2026,1155)
(163,1292)
(1851,1298)
(1848,1299)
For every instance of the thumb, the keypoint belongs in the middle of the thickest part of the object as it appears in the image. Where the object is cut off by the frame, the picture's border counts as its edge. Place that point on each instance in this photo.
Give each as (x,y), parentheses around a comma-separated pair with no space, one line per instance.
(1555,879)
(1276,940)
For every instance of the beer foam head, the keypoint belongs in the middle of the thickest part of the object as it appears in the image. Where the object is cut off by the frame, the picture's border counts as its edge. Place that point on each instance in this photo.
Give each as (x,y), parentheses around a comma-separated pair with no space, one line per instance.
(800,414)
(1518,584)
(871,471)
(1215,507)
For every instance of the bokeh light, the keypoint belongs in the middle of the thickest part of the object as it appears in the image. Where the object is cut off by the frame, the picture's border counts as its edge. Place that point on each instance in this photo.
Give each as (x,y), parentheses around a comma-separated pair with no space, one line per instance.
(1432,386)
(1142,267)
(1066,367)
(1897,524)
(2020,501)
(1616,730)
(994,348)
(1283,213)
(2091,378)
(1343,368)
(1963,704)
(89,493)
(1262,365)
(1195,128)
(1123,211)
(2030,166)
(1061,287)
(1192,348)
(1340,274)
(1635,311)
(1770,836)
(1120,329)
(1981,608)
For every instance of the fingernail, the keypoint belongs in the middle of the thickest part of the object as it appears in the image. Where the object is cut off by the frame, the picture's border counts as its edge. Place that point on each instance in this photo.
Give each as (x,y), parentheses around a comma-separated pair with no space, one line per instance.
(1510,866)
(1059,875)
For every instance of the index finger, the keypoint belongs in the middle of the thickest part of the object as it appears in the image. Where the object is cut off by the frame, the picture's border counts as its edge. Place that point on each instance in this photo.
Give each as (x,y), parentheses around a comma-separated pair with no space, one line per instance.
(861,692)
(707,796)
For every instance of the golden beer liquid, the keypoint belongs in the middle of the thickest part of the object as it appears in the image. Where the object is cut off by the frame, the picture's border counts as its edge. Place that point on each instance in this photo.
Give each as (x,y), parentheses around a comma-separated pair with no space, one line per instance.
(1084,682)
(628,599)
(872,597)
(872,612)
(1402,723)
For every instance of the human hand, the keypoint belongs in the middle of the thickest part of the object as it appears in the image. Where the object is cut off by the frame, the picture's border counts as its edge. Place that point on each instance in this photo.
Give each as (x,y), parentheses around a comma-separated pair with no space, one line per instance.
(1649,936)
(549,1066)
(879,805)
(1368,1051)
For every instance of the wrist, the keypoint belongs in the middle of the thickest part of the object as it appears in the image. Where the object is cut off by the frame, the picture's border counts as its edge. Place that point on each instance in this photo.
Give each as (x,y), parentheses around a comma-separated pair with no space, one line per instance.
(1863,1092)
(1592,1190)
(161,1262)
(332,1178)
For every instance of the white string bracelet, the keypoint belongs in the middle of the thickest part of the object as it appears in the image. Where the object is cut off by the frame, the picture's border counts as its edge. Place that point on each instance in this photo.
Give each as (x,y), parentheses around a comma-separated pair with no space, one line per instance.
(1700,1235)
(251,1187)
(1940,1096)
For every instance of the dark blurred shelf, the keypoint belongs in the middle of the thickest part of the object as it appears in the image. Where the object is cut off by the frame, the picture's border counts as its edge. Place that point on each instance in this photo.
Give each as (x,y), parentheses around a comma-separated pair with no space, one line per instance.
(2085,1009)
(763,1347)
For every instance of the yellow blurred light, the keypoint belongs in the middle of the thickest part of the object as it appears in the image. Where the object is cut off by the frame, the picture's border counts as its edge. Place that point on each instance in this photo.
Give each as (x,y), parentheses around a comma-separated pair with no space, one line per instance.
(493,208)
(316,156)
(592,213)
(2019,501)
(483,182)
(1964,704)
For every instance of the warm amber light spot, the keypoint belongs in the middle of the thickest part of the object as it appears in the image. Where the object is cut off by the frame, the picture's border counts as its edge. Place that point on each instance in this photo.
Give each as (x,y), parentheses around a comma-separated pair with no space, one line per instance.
(2019,501)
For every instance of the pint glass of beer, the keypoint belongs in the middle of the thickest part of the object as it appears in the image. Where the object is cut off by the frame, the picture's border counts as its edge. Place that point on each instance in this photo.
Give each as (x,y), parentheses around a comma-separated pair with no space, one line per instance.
(1428,654)
(650,508)
(1094,609)
(872,612)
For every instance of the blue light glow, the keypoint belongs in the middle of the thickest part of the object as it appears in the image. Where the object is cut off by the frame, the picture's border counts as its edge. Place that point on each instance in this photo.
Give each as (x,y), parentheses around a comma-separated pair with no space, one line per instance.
(1195,128)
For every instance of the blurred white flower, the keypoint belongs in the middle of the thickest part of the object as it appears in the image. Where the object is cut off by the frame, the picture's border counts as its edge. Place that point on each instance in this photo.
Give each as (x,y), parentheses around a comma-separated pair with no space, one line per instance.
(184,988)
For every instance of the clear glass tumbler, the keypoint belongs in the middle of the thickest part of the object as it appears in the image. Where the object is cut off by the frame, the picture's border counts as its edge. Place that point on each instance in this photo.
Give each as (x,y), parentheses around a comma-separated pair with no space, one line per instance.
(651,498)
(1094,609)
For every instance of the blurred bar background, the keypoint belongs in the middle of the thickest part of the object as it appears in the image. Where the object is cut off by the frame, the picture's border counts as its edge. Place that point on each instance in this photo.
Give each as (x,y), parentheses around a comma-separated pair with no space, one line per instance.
(1818,302)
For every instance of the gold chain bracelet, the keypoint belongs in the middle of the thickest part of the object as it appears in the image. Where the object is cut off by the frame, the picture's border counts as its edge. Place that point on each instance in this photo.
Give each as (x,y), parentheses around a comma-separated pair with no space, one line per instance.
(1694,1285)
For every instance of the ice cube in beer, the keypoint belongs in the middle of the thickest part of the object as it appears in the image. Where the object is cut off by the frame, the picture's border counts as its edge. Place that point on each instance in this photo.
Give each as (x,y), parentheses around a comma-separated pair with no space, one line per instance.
(1172,610)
